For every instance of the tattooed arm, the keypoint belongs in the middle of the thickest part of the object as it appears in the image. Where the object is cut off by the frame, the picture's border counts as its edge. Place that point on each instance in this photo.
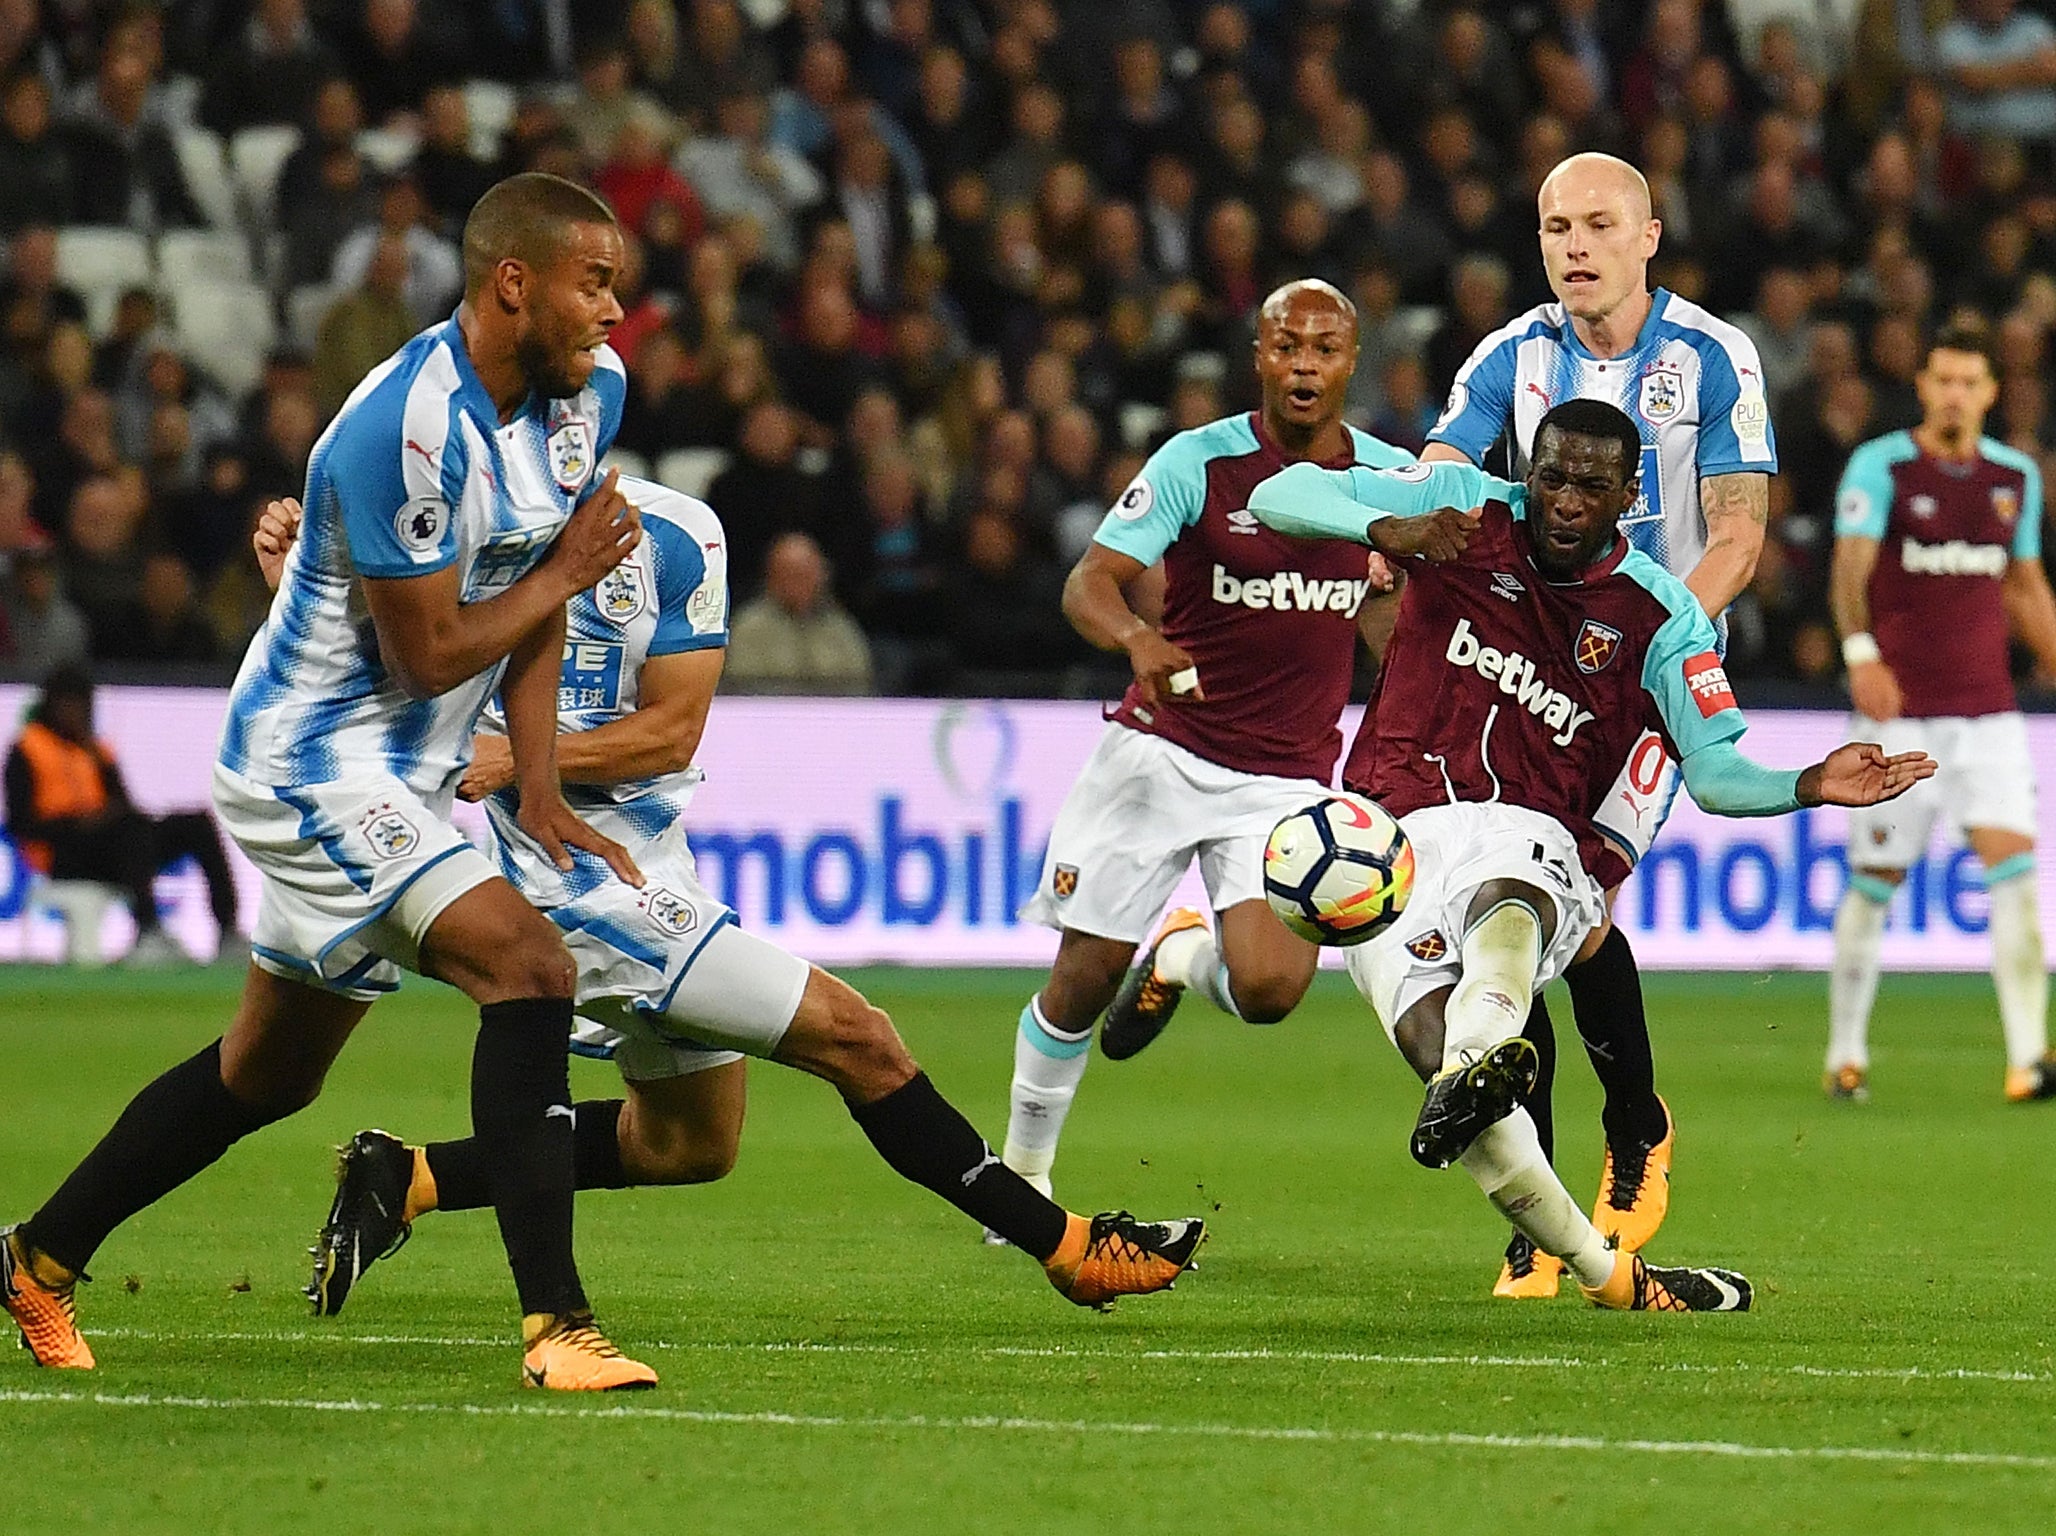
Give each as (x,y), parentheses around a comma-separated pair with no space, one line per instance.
(1737,508)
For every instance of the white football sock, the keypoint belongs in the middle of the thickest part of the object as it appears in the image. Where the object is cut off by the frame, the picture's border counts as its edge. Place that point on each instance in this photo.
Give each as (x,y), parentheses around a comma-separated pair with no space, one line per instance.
(1853,982)
(2018,973)
(1048,1066)
(1501,954)
(1191,959)
(1507,1162)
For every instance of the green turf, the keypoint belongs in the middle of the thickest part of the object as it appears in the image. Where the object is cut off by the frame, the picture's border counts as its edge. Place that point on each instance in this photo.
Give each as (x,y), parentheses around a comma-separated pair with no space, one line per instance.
(1901,1252)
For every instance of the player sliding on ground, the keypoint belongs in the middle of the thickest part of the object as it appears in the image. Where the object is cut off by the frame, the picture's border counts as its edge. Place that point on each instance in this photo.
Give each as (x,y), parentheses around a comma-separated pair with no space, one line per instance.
(1229,724)
(1504,734)
(668,985)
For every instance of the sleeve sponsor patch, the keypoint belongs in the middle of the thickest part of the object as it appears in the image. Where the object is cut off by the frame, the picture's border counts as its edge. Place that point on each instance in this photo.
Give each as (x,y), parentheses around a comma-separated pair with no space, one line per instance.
(1751,420)
(1707,681)
(1136,501)
(1853,510)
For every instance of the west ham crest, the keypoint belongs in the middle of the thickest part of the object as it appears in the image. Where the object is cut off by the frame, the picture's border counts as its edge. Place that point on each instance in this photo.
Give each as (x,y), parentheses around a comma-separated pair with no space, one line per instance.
(1595,646)
(391,835)
(1064,881)
(1430,946)
(622,594)
(2005,502)
(668,910)
(1663,393)
(570,449)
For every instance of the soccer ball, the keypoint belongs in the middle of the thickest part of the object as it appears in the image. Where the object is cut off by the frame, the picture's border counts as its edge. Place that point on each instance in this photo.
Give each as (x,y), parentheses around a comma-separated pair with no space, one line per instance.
(1338,872)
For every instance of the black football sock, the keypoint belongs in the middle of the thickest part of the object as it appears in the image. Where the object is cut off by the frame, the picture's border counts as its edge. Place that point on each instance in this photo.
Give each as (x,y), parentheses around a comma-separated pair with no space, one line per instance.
(1606,993)
(521,1120)
(925,1139)
(1540,1103)
(179,1125)
(458,1167)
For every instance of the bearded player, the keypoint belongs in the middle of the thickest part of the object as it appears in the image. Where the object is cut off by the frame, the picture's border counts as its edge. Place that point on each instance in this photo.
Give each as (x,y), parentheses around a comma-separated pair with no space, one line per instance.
(669,987)
(1938,543)
(1508,733)
(1229,724)
(1693,386)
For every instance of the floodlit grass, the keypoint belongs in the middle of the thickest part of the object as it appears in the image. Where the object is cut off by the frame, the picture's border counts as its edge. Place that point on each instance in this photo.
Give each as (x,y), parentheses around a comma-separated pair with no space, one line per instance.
(840,1353)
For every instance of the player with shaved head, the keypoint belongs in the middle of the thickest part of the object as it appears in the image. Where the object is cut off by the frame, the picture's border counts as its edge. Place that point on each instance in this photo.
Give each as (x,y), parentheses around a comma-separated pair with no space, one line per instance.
(1693,386)
(1229,724)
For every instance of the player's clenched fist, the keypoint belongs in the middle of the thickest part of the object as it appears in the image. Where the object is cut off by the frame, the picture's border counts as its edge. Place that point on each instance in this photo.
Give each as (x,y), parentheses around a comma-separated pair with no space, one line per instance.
(601,534)
(1862,773)
(1164,671)
(277,526)
(1437,537)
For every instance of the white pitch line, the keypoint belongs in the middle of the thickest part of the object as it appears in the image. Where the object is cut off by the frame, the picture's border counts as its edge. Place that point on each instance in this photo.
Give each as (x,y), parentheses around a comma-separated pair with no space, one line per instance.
(1059,1352)
(1312,1434)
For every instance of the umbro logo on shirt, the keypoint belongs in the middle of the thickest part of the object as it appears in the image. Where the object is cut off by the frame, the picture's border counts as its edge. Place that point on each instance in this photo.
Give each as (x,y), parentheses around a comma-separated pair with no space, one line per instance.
(1242,520)
(1507,585)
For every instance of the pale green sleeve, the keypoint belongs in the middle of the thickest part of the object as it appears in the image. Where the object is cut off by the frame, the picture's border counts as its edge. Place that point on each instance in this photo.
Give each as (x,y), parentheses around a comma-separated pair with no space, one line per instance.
(1309,502)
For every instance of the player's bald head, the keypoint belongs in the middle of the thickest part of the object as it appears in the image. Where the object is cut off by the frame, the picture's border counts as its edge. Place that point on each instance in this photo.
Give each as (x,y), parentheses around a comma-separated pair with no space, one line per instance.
(1591,177)
(525,218)
(1307,295)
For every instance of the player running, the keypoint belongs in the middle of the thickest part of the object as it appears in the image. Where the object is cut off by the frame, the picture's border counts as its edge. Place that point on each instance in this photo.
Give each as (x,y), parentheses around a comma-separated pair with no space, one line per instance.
(441,547)
(669,986)
(1229,724)
(1938,543)
(1507,729)
(1693,386)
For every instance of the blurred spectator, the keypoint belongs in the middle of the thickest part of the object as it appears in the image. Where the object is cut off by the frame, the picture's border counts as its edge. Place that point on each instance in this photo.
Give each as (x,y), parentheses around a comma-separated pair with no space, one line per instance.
(37,183)
(331,123)
(796,638)
(870,197)
(1389,229)
(1477,290)
(284,440)
(1005,608)
(398,50)
(44,628)
(166,624)
(636,177)
(103,558)
(740,173)
(122,157)
(435,271)
(238,597)
(890,575)
(2000,63)
(1170,203)
(764,492)
(719,54)
(739,378)
(202,522)
(83,446)
(950,130)
(69,811)
(343,200)
(268,72)
(821,371)
(657,413)
(608,101)
(365,326)
(160,376)
(450,176)
(1777,326)
(1409,409)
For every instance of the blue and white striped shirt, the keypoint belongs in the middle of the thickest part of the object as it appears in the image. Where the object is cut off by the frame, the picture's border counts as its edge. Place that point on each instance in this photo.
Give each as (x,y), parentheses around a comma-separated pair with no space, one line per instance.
(416,474)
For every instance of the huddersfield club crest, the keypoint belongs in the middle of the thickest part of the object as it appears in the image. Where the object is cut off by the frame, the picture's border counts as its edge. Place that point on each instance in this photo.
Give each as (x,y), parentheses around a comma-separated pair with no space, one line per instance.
(623,593)
(1595,646)
(1663,393)
(570,450)
(2006,502)
(391,835)
(668,910)
(1430,946)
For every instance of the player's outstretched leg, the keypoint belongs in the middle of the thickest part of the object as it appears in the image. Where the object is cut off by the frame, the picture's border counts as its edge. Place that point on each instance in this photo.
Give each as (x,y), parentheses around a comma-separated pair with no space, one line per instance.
(1634,1185)
(1052,1046)
(2019,975)
(1526,1273)
(1853,982)
(1487,1068)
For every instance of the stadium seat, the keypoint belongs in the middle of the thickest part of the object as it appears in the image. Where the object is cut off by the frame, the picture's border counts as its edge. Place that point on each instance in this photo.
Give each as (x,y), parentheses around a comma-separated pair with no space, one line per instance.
(255,157)
(204,164)
(79,905)
(227,329)
(628,461)
(692,470)
(490,105)
(1139,421)
(306,307)
(101,264)
(387,149)
(187,256)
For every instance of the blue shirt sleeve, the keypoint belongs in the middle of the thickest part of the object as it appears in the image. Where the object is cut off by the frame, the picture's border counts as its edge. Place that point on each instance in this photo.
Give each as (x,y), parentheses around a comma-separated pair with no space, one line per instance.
(2027,533)
(1159,504)
(1863,501)
(1480,401)
(610,383)
(395,470)
(1682,673)
(692,591)
(1734,416)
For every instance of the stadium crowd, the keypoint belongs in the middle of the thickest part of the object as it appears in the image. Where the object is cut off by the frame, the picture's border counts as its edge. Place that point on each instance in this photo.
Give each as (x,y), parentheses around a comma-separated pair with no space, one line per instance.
(916,284)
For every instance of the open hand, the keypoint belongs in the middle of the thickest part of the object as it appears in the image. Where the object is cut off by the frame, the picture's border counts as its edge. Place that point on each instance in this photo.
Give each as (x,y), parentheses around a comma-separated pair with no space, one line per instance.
(1861,773)
(557,829)
(1436,538)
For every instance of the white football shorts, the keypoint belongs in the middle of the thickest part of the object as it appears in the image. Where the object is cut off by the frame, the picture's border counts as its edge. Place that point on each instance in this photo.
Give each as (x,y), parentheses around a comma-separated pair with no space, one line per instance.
(1458,848)
(1129,829)
(1983,778)
(354,872)
(668,985)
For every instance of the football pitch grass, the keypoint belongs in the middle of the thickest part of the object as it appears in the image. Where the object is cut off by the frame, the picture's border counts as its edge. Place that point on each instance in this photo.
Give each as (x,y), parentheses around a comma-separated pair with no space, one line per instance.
(839,1353)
